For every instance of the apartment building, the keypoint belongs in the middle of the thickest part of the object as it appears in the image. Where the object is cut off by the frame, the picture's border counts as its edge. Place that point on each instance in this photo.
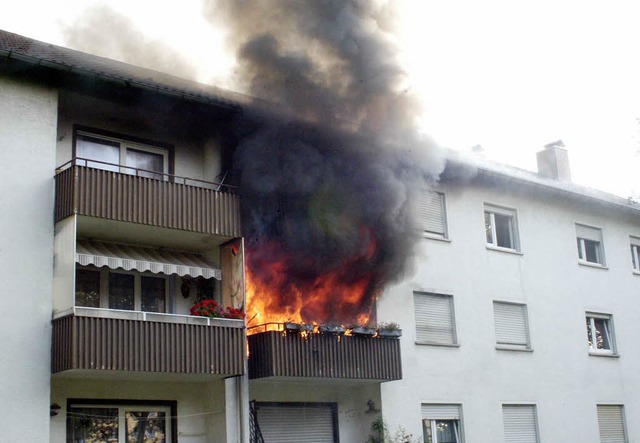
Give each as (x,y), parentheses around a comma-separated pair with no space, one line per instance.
(521,318)
(518,323)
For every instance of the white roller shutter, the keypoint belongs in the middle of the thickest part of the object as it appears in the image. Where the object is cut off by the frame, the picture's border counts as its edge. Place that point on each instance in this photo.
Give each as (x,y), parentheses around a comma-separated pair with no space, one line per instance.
(520,424)
(588,233)
(441,411)
(511,324)
(296,424)
(434,318)
(611,424)
(431,213)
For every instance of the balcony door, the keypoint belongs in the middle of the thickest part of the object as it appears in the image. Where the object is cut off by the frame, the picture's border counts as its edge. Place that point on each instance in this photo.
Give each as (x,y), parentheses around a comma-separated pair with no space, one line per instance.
(112,154)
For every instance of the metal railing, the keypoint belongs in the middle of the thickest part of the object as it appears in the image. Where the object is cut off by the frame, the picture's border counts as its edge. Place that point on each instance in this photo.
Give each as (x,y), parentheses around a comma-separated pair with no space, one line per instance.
(145,173)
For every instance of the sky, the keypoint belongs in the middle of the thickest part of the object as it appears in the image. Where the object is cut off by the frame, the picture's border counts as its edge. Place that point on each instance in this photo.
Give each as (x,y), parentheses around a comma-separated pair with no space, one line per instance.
(510,76)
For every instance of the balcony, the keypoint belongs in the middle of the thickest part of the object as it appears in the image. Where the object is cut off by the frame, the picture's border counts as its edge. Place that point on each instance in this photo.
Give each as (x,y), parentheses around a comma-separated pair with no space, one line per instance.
(323,356)
(145,197)
(103,339)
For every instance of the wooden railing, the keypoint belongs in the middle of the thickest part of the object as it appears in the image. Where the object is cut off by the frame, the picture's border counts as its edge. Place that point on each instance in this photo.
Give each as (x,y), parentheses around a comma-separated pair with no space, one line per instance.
(280,354)
(101,342)
(148,198)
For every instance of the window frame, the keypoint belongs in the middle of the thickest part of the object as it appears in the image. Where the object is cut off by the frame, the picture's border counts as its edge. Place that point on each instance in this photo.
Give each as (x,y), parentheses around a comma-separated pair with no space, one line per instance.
(105,272)
(491,210)
(634,243)
(442,417)
(581,242)
(623,418)
(124,406)
(127,142)
(515,405)
(591,317)
(422,219)
(452,313)
(527,330)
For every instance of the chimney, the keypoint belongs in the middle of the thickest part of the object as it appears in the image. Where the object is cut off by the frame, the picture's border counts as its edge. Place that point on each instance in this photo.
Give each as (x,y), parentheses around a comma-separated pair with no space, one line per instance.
(553,162)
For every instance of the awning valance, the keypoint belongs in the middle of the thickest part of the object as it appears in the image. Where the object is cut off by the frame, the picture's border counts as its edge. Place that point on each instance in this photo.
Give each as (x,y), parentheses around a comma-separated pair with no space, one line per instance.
(144,259)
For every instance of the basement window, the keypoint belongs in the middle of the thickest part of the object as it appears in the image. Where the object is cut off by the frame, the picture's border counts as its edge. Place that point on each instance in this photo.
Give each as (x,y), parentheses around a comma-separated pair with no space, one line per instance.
(501,228)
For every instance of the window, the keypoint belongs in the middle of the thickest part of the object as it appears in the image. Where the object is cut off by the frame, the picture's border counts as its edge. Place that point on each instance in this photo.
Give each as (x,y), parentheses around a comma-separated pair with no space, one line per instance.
(512,329)
(635,253)
(432,214)
(500,227)
(298,422)
(441,423)
(104,288)
(600,334)
(112,154)
(590,244)
(611,424)
(520,424)
(133,421)
(434,317)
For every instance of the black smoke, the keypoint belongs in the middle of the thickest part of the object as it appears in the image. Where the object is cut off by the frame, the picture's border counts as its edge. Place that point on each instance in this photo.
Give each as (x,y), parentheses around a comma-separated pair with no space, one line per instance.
(329,182)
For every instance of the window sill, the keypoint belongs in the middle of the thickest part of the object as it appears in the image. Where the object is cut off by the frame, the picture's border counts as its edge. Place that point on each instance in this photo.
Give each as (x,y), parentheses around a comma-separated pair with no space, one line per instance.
(443,345)
(513,348)
(604,354)
(507,250)
(592,265)
(435,237)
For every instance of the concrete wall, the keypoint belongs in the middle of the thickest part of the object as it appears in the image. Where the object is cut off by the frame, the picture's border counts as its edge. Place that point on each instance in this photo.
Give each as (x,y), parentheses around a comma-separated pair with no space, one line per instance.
(27,153)
(201,407)
(559,376)
(354,421)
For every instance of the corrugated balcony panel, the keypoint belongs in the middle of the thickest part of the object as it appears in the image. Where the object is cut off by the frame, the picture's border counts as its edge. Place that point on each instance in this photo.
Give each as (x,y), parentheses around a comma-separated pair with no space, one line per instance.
(81,342)
(276,354)
(124,197)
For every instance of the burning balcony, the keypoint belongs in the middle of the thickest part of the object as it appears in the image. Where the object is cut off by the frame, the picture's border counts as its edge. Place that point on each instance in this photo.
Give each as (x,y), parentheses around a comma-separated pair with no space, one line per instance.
(286,353)
(115,192)
(103,339)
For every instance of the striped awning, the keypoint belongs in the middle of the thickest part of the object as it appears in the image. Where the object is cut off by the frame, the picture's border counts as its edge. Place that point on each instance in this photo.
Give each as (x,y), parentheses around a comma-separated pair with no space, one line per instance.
(144,259)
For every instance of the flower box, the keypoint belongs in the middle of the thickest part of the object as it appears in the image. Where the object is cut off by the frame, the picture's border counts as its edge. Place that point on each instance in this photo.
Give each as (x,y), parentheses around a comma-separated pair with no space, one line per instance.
(363,331)
(390,333)
(331,329)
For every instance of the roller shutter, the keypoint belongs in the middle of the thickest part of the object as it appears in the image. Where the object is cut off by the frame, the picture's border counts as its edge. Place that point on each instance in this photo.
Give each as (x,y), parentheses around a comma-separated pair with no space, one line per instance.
(611,424)
(434,318)
(297,423)
(511,324)
(520,424)
(441,411)
(431,213)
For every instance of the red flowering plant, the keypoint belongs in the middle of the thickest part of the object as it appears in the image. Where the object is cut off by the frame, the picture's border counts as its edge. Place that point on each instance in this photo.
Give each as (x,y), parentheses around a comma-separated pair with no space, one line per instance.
(213,309)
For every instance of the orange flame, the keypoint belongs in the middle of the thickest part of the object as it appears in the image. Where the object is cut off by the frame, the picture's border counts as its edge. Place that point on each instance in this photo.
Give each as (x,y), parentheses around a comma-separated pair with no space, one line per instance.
(339,296)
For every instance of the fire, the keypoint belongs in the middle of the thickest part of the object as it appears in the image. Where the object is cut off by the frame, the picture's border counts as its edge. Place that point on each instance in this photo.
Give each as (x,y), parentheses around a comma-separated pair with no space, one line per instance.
(277,290)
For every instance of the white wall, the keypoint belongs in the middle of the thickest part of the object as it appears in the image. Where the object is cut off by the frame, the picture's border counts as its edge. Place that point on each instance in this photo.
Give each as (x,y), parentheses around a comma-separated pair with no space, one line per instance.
(559,376)
(201,410)
(27,154)
(353,421)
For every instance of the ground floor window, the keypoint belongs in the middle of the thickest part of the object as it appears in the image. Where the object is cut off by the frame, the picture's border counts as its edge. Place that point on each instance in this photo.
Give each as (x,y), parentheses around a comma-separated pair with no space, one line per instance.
(107,421)
(441,423)
(297,422)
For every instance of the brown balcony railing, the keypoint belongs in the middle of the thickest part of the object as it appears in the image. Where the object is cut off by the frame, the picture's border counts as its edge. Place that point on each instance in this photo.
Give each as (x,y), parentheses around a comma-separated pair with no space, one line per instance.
(279,354)
(85,187)
(148,342)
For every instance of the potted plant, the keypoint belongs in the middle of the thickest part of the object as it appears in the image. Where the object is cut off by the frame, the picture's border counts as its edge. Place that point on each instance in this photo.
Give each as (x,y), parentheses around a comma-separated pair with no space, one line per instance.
(363,330)
(391,330)
(213,309)
(332,329)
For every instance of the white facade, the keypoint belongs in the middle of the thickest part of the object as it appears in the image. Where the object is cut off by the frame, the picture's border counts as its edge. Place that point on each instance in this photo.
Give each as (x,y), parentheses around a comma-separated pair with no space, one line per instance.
(558,374)
(27,152)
